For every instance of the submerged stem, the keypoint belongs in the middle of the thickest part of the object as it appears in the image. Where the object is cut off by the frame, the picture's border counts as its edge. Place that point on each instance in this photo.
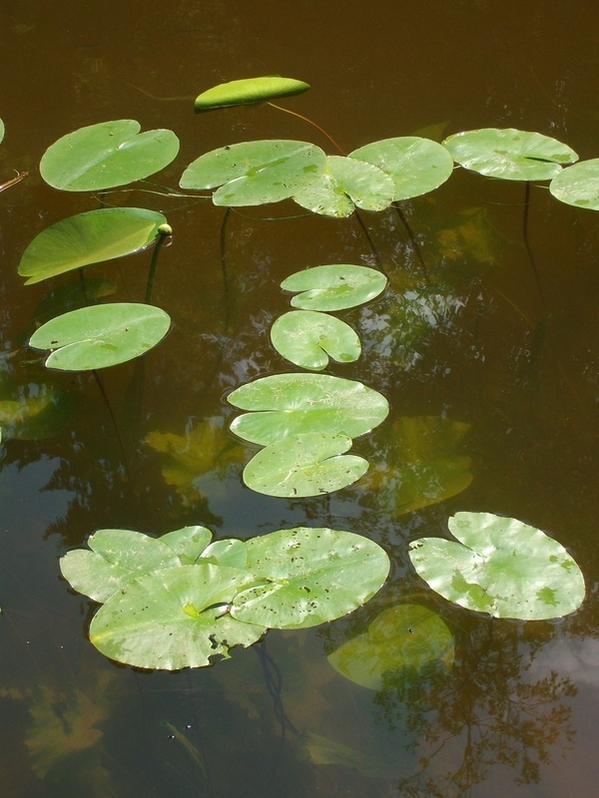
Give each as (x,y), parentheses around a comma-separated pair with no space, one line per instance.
(163,231)
(115,423)
(526,242)
(413,240)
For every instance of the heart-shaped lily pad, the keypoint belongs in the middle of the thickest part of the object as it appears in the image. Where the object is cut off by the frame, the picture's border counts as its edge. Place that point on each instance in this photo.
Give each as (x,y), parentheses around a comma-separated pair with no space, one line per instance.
(106,155)
(500,566)
(304,465)
(311,575)
(293,404)
(307,338)
(248,92)
(255,172)
(334,287)
(90,237)
(416,165)
(578,185)
(406,635)
(510,154)
(101,335)
(174,618)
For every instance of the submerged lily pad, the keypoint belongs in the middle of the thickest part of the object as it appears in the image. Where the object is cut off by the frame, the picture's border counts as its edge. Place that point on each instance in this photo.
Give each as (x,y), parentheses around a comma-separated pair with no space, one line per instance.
(174,618)
(334,287)
(101,335)
(500,566)
(41,411)
(311,576)
(255,172)
(107,155)
(292,404)
(416,165)
(304,465)
(248,92)
(510,154)
(90,237)
(406,635)
(307,338)
(578,185)
(344,185)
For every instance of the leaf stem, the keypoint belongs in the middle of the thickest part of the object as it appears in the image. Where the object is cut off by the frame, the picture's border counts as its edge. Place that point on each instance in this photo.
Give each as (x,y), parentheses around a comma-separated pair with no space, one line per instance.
(310,122)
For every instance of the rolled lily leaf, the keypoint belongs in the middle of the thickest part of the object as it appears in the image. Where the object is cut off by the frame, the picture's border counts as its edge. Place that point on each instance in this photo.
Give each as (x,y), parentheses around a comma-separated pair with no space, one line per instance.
(101,335)
(578,185)
(307,338)
(255,172)
(90,237)
(334,287)
(107,155)
(309,576)
(248,92)
(304,465)
(510,154)
(500,566)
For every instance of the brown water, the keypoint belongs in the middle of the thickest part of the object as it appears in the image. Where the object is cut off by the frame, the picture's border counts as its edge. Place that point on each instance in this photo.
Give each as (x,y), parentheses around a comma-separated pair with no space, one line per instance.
(519,712)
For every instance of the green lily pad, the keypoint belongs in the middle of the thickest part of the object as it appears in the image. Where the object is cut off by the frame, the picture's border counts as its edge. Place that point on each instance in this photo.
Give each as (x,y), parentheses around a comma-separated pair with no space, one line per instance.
(500,566)
(312,576)
(106,155)
(255,172)
(578,185)
(117,557)
(188,543)
(90,237)
(248,92)
(174,618)
(41,411)
(229,552)
(2,131)
(307,338)
(344,185)
(416,165)
(101,335)
(406,635)
(510,154)
(334,287)
(304,465)
(292,404)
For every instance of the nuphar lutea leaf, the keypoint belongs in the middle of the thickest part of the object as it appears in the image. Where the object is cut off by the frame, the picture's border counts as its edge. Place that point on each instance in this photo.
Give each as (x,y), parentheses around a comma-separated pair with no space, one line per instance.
(307,338)
(334,287)
(248,92)
(578,185)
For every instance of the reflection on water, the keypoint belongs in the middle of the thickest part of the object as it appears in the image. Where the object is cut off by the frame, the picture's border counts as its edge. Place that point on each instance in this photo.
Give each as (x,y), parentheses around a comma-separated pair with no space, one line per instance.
(501,377)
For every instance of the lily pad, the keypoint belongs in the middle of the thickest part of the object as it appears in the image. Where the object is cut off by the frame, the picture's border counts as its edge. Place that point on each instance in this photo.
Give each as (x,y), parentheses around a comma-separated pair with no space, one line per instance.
(41,411)
(510,154)
(2,131)
(226,552)
(255,172)
(292,404)
(90,237)
(106,155)
(500,566)
(578,185)
(248,92)
(117,557)
(188,543)
(346,184)
(101,335)
(334,287)
(311,575)
(307,338)
(304,465)
(174,618)
(416,165)
(406,635)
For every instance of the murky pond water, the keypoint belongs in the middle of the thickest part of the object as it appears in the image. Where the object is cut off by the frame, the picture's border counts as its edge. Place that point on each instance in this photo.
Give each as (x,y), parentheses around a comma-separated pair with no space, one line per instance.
(510,355)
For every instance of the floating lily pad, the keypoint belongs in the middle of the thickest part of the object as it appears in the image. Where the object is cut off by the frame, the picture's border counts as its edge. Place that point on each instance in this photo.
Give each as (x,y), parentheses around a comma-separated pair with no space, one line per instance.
(347,183)
(578,185)
(255,172)
(500,566)
(307,338)
(2,131)
(292,404)
(335,287)
(304,465)
(226,552)
(117,557)
(311,575)
(188,543)
(106,155)
(90,237)
(406,635)
(174,618)
(416,165)
(248,92)
(510,154)
(101,335)
(41,411)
